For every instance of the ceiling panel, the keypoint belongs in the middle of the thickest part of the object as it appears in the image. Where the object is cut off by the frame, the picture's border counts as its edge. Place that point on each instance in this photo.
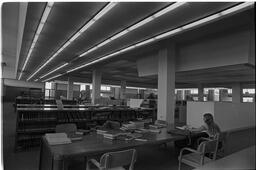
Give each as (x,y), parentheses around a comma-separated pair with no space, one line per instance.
(66,18)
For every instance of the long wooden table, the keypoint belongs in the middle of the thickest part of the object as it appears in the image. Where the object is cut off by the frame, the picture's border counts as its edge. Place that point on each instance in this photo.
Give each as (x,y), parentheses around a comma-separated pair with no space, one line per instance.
(244,159)
(55,157)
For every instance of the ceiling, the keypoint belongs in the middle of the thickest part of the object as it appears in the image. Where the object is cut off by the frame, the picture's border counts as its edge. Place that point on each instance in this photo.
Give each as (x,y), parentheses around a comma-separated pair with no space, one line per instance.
(66,18)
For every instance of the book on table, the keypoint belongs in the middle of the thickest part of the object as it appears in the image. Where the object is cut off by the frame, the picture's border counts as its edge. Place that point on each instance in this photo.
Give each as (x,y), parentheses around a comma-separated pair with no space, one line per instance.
(57,138)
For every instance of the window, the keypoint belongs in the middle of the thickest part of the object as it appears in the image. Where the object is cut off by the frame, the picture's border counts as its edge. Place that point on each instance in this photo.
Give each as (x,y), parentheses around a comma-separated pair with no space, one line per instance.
(105,88)
(48,85)
(248,95)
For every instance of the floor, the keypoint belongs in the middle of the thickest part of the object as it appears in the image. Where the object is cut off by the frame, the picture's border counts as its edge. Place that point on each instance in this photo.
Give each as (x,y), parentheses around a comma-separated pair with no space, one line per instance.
(149,158)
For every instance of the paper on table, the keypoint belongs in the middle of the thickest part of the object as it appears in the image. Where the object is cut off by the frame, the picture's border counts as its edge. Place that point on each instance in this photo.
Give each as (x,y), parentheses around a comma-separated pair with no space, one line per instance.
(57,138)
(181,127)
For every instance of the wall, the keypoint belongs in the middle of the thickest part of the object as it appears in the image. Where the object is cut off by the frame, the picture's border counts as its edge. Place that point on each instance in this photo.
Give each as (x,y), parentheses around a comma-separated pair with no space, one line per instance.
(19,83)
(13,88)
(231,49)
(234,115)
(229,116)
(195,111)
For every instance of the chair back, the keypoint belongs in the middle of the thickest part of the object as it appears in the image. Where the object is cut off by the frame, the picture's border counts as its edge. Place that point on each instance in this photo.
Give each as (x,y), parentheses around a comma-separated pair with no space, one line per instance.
(66,128)
(210,146)
(118,159)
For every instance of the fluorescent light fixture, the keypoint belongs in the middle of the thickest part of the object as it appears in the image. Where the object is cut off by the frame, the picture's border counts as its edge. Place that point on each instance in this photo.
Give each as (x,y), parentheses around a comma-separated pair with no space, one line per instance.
(120,34)
(105,10)
(145,42)
(201,21)
(86,26)
(36,79)
(79,32)
(168,9)
(135,26)
(90,50)
(63,65)
(46,13)
(43,19)
(40,27)
(103,43)
(74,36)
(52,77)
(141,23)
(169,33)
(236,8)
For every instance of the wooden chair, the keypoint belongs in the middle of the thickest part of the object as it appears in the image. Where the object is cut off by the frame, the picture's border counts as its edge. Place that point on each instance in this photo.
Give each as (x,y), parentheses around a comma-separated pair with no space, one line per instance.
(115,160)
(66,128)
(198,157)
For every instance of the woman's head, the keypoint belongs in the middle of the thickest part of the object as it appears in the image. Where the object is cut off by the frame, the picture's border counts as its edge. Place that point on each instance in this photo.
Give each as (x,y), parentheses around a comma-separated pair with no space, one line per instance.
(208,118)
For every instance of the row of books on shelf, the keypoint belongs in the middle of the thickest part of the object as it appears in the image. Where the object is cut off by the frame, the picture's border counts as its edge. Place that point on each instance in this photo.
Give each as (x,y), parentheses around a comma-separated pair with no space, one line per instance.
(35,129)
(37,116)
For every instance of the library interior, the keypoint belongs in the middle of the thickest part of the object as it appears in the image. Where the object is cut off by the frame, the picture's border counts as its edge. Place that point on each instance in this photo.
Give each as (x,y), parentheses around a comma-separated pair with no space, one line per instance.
(128,85)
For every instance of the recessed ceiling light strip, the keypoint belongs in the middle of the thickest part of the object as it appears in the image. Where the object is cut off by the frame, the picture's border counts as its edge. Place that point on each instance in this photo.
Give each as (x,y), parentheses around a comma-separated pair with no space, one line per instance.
(107,8)
(44,17)
(169,33)
(63,65)
(135,26)
(52,77)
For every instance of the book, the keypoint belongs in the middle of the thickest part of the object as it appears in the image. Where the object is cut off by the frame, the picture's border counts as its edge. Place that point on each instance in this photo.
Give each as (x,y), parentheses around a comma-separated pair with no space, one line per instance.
(57,138)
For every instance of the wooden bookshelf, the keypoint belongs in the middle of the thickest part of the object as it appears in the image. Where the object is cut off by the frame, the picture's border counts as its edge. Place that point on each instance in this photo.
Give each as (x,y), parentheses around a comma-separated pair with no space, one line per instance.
(33,122)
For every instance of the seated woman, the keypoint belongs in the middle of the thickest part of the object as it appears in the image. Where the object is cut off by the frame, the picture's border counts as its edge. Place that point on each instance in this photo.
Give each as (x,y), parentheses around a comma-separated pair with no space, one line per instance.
(210,127)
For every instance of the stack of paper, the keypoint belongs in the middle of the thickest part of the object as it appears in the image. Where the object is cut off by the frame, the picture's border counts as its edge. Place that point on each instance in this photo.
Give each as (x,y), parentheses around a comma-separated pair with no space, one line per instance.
(133,125)
(57,138)
(114,134)
(101,132)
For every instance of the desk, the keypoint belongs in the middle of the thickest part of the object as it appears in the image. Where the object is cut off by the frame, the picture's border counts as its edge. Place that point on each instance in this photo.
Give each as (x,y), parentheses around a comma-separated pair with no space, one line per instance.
(244,159)
(54,157)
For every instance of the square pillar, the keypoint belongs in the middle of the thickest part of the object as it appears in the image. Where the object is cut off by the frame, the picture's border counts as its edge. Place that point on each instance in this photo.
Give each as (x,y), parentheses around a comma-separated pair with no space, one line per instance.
(166,85)
(179,95)
(70,89)
(96,84)
(200,93)
(210,96)
(122,89)
(236,93)
(223,95)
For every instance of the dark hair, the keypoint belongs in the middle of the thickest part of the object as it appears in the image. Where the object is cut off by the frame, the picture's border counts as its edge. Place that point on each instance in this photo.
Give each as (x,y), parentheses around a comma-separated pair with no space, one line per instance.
(208,115)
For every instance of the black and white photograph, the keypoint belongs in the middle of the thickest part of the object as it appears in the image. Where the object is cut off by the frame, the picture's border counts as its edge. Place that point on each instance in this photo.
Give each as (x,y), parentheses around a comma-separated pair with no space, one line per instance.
(127,85)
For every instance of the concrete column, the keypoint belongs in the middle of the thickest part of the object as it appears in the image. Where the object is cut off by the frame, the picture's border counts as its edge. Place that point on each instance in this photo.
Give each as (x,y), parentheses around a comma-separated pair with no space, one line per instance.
(117,92)
(96,84)
(236,93)
(187,95)
(200,92)
(87,92)
(70,89)
(142,93)
(166,85)
(122,89)
(223,95)
(210,95)
(179,95)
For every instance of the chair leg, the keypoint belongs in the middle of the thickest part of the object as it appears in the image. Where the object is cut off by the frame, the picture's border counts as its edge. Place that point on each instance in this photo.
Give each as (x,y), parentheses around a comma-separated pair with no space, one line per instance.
(179,165)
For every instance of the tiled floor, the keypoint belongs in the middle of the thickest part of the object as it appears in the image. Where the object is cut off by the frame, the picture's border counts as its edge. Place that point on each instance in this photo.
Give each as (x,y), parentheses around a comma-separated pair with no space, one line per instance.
(149,158)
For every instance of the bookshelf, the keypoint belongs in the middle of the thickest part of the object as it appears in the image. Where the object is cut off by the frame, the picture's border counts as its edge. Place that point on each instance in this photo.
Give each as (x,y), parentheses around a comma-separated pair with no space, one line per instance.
(33,122)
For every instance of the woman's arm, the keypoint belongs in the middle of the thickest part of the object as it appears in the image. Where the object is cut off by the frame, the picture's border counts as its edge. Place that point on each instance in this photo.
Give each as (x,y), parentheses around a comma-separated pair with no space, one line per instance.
(200,129)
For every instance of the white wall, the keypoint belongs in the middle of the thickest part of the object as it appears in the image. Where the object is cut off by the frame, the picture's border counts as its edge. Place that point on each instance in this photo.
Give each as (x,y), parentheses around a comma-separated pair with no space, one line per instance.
(234,115)
(18,83)
(232,49)
(229,116)
(195,111)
